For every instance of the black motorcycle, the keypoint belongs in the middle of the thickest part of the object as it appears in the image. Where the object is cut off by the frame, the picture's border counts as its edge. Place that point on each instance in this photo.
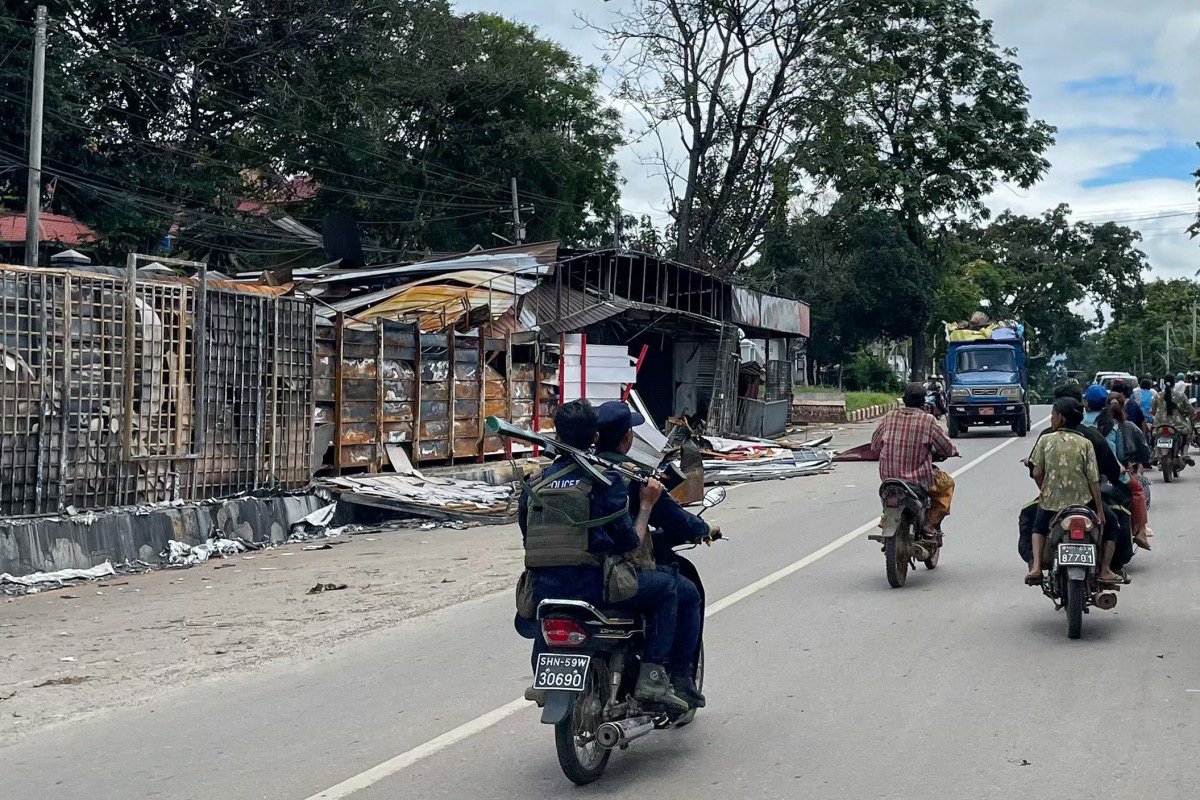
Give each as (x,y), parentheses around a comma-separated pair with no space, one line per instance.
(902,530)
(1072,551)
(589,674)
(1168,450)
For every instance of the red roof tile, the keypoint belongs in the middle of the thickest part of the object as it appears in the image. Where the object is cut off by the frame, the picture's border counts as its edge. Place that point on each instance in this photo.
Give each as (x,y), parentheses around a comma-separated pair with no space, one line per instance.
(51,228)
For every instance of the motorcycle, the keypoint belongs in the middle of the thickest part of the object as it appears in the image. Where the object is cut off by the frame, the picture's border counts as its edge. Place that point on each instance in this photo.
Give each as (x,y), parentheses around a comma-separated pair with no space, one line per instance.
(1072,550)
(903,530)
(589,674)
(935,401)
(1168,451)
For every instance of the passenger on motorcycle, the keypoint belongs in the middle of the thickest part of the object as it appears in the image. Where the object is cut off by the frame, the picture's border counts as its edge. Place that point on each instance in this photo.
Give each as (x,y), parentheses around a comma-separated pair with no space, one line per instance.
(907,440)
(675,526)
(1117,518)
(1173,409)
(1145,397)
(1065,469)
(572,529)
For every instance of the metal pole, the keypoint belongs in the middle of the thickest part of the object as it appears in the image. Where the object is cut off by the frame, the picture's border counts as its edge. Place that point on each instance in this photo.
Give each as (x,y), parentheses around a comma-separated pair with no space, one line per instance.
(33,191)
(1167,327)
(518,228)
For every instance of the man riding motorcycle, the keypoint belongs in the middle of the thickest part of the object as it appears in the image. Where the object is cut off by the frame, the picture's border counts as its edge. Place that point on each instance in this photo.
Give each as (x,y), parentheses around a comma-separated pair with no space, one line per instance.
(907,440)
(675,527)
(574,532)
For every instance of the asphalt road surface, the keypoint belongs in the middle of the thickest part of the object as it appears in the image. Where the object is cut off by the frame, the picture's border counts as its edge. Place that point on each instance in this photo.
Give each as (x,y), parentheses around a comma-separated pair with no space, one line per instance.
(822,681)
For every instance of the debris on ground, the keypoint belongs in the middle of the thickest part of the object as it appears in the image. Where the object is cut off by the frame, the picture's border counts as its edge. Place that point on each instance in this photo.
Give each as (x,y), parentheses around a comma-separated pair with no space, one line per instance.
(326,587)
(13,585)
(427,496)
(179,554)
(742,460)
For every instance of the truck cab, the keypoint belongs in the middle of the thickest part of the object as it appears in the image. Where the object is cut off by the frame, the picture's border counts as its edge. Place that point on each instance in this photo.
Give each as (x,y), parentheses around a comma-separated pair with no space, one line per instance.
(987,379)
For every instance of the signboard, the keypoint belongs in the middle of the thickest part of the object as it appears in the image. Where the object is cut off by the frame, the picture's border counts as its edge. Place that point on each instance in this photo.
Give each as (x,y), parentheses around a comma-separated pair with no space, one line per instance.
(769,312)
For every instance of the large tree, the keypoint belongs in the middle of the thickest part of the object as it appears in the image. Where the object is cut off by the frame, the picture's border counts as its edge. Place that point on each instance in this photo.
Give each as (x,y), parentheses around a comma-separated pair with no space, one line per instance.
(1045,271)
(857,270)
(720,85)
(931,116)
(402,114)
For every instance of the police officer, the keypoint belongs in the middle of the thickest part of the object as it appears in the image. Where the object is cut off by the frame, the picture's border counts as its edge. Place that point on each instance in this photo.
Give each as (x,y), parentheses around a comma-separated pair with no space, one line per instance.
(570,525)
(676,526)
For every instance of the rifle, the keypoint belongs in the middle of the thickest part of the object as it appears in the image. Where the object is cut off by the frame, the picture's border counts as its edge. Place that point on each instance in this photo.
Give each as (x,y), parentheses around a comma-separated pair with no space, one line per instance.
(594,465)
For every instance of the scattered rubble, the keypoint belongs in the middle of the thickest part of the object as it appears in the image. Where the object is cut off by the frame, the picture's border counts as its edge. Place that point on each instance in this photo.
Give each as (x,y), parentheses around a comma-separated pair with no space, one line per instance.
(427,496)
(179,554)
(737,460)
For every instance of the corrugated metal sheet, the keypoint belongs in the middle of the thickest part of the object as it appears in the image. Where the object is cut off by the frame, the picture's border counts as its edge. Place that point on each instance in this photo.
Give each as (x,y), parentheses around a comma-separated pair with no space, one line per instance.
(770,312)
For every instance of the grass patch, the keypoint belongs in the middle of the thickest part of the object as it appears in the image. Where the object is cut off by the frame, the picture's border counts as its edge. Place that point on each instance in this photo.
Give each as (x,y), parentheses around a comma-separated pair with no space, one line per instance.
(857,400)
(854,400)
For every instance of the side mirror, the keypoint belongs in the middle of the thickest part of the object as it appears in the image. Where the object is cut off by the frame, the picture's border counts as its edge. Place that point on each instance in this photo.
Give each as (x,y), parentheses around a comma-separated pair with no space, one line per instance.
(714,496)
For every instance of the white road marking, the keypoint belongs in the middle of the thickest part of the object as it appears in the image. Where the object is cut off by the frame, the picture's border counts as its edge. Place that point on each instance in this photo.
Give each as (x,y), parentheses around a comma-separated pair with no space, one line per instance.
(406,759)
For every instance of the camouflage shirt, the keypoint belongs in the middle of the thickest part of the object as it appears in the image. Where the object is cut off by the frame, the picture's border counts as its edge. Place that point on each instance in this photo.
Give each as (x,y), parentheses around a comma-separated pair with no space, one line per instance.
(1069,469)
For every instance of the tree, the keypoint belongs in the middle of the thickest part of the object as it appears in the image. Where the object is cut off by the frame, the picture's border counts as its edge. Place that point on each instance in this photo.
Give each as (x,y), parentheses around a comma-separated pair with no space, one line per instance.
(1040,270)
(402,114)
(1137,341)
(722,82)
(857,270)
(931,116)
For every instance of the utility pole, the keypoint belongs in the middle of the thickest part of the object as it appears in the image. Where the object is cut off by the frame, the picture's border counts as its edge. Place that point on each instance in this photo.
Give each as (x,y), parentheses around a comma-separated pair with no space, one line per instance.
(1167,327)
(617,231)
(518,225)
(33,189)
(1193,329)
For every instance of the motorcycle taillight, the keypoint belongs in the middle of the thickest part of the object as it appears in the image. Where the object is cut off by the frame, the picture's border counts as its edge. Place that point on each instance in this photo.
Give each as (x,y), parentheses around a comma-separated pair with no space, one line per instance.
(891,501)
(1077,528)
(563,633)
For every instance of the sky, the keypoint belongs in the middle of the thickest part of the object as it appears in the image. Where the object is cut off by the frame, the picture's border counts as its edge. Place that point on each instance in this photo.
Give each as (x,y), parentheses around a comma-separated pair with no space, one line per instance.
(1120,79)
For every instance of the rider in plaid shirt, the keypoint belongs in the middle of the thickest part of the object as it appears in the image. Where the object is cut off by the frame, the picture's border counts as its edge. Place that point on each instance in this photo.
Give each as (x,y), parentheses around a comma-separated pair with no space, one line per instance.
(906,440)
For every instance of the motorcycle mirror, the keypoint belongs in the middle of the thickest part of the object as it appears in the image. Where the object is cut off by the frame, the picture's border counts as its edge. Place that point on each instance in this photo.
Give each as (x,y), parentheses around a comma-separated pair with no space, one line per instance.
(714,496)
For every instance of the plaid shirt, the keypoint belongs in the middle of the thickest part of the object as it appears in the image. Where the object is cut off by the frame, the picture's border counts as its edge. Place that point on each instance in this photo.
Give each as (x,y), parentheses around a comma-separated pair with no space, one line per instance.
(906,441)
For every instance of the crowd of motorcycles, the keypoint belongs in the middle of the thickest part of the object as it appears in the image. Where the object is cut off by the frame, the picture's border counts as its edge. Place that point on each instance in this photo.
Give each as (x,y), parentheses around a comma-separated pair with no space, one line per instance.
(594,659)
(1072,548)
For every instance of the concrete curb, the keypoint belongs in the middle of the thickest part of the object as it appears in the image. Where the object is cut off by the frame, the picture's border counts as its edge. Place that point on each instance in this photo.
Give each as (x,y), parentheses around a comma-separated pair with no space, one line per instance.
(871,412)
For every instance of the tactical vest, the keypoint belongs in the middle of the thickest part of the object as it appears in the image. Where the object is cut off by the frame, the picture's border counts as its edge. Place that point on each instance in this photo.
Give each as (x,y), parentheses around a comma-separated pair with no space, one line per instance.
(558,519)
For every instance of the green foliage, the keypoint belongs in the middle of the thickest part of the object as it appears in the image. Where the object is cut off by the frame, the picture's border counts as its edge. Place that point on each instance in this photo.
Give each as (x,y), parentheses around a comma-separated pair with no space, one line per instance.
(867,372)
(1137,340)
(857,270)
(1038,269)
(401,113)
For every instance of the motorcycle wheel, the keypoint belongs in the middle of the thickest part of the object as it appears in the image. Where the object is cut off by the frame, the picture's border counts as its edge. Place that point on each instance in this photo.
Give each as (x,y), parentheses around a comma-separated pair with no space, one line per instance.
(897,558)
(1168,468)
(1075,591)
(687,718)
(579,754)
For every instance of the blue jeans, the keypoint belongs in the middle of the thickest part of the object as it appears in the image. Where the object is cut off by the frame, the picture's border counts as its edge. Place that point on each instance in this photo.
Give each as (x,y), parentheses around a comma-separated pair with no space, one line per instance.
(657,597)
(682,661)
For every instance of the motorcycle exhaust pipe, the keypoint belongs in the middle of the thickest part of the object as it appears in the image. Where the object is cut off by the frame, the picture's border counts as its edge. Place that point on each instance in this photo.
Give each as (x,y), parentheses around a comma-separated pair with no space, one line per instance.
(1105,600)
(624,731)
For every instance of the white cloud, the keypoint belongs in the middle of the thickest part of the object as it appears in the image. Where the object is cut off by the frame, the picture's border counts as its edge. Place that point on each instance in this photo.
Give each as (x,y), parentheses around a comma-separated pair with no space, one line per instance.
(1062,45)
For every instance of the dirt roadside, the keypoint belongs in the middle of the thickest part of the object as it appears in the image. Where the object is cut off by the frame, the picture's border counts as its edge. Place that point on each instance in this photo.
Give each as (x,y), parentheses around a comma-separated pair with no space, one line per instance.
(72,653)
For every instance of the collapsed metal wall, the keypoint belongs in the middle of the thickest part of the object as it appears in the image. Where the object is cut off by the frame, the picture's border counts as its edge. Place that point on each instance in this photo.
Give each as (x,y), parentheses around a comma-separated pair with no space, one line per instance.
(103,403)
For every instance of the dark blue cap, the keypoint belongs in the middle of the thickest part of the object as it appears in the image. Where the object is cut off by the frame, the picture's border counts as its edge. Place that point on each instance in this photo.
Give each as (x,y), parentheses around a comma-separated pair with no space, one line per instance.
(616,417)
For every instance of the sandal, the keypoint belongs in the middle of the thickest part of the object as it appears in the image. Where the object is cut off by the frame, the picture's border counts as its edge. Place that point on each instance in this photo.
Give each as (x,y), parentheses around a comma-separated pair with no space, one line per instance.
(1033,580)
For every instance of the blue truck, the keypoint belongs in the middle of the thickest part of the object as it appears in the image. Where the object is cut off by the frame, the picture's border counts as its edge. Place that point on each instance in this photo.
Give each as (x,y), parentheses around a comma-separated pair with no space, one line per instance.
(987,378)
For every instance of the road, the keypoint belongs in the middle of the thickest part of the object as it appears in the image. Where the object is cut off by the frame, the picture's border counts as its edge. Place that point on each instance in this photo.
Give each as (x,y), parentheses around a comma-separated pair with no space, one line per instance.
(822,681)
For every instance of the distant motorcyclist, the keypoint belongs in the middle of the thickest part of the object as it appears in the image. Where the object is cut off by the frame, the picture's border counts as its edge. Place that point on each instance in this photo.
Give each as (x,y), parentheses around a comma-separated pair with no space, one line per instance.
(936,395)
(572,527)
(1144,396)
(1173,409)
(674,526)
(907,441)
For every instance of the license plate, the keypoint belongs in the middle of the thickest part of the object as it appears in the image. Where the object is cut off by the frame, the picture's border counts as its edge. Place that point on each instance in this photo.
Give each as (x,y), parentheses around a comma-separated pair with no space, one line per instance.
(1076,555)
(1165,444)
(987,412)
(565,673)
